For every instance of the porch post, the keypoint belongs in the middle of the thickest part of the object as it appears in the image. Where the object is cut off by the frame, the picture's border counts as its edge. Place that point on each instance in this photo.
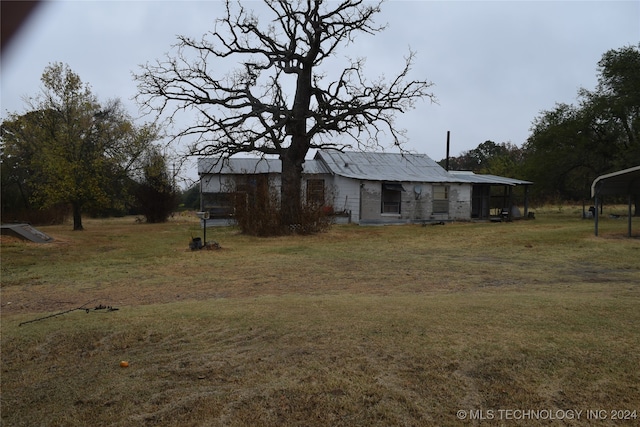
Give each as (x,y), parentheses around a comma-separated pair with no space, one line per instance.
(510,203)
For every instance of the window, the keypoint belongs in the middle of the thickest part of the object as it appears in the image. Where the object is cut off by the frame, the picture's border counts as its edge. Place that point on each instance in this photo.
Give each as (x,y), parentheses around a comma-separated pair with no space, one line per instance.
(252,191)
(440,199)
(391,198)
(315,192)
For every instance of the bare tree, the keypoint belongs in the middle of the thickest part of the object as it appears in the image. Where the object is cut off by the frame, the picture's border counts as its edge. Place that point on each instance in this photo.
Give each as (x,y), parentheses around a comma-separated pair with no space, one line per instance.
(278,101)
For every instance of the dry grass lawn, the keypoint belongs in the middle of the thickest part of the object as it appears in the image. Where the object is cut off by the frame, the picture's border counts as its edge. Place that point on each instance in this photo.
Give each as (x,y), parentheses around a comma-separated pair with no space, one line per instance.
(360,326)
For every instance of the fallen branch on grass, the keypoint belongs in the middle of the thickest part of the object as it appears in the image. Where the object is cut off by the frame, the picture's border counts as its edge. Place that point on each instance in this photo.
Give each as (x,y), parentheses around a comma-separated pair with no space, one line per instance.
(82,307)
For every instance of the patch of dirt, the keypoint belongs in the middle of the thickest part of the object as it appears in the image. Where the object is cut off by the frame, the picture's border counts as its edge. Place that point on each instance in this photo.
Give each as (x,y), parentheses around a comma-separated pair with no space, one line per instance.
(5,239)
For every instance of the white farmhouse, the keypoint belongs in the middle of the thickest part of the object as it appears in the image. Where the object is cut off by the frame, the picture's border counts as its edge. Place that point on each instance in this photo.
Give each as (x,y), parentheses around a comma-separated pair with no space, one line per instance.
(364,188)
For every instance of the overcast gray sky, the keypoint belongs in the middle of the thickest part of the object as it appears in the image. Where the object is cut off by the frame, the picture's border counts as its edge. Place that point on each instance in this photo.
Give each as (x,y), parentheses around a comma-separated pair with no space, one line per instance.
(495,65)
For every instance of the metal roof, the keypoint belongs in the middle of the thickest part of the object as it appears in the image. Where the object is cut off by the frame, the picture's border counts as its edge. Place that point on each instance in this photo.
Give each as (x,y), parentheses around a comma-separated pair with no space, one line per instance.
(242,166)
(390,167)
(385,166)
(624,182)
(473,178)
(25,232)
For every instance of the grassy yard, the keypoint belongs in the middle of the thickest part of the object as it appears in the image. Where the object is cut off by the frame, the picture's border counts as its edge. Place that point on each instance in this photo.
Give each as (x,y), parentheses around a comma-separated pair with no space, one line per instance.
(471,324)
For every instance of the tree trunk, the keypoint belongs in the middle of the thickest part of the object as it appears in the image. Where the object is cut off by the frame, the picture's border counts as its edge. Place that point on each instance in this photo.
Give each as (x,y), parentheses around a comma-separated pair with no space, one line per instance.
(290,203)
(77,217)
(293,157)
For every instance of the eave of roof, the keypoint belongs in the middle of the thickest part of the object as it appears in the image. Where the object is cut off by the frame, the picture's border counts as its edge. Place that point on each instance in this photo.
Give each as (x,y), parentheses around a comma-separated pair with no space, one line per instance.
(242,166)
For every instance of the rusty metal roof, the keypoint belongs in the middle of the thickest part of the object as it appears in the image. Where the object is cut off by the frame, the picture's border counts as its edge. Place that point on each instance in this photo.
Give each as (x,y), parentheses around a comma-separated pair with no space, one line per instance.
(384,166)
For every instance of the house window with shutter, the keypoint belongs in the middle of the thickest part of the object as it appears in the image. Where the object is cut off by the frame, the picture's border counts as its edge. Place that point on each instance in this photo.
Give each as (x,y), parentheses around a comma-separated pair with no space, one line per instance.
(440,199)
(391,198)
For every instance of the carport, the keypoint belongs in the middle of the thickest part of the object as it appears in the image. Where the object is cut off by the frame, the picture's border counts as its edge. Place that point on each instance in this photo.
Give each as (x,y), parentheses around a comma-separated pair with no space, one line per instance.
(622,183)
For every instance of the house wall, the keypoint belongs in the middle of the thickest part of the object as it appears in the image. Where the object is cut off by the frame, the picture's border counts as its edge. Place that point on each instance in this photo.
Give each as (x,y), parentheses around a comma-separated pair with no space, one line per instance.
(460,201)
(345,196)
(212,183)
(416,203)
(221,208)
(215,184)
(226,183)
(370,195)
(363,199)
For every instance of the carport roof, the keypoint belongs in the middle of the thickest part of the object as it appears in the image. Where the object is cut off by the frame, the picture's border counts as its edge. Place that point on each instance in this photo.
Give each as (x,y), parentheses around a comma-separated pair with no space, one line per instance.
(489,179)
(624,182)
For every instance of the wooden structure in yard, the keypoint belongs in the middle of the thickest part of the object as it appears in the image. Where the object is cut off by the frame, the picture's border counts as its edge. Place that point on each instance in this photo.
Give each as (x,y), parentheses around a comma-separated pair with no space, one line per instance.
(25,232)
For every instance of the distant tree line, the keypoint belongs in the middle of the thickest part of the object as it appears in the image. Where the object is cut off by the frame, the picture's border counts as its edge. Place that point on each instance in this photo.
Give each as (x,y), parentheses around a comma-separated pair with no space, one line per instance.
(571,145)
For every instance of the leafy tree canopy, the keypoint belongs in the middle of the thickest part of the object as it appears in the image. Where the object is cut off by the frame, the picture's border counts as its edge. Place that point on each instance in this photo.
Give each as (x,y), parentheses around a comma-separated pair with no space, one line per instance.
(156,197)
(571,145)
(488,158)
(69,148)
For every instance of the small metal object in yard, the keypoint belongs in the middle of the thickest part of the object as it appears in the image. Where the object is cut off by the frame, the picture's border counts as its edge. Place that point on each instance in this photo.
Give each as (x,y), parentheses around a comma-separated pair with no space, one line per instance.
(196,243)
(204,216)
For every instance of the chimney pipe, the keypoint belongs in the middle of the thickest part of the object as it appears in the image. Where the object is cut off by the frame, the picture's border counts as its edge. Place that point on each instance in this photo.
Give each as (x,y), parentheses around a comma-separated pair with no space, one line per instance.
(447,161)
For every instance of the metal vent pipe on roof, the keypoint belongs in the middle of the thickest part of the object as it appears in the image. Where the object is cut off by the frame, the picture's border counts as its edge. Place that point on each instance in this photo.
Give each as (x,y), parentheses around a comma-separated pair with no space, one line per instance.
(446,166)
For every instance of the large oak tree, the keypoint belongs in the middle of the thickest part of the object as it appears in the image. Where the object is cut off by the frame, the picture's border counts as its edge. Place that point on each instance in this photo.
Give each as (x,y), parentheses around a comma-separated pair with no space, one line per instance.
(258,85)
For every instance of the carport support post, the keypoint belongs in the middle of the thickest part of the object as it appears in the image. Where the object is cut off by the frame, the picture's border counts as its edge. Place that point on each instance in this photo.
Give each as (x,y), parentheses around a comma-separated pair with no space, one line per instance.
(595,221)
(629,214)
